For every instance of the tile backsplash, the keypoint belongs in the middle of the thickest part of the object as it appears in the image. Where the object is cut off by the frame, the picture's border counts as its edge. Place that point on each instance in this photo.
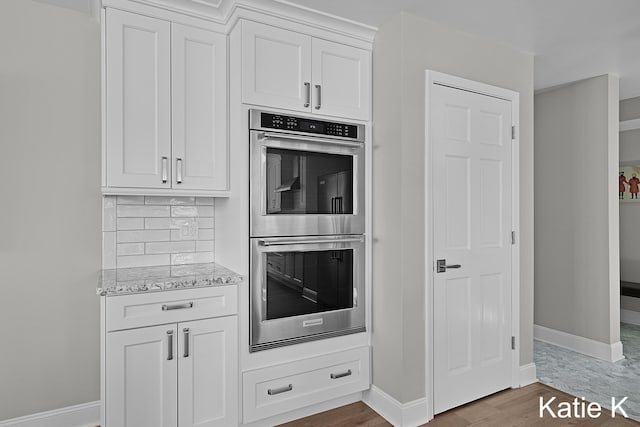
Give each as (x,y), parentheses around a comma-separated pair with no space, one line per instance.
(141,231)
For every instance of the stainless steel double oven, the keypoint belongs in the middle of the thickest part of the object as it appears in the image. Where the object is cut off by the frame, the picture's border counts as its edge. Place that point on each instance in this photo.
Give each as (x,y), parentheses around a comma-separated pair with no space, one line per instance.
(307,227)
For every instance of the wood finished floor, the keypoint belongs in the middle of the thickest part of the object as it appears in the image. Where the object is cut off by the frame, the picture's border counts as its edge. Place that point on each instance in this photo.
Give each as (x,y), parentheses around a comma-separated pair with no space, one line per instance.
(509,408)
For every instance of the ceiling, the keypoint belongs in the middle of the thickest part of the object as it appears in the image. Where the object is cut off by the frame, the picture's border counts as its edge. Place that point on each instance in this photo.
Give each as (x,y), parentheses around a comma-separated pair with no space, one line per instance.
(571,39)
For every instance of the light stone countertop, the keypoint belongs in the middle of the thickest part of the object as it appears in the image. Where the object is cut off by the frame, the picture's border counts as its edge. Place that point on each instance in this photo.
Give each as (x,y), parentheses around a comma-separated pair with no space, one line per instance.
(126,281)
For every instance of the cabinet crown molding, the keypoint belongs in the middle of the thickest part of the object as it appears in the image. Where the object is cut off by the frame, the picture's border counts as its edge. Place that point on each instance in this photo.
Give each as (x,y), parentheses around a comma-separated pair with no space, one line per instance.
(228,11)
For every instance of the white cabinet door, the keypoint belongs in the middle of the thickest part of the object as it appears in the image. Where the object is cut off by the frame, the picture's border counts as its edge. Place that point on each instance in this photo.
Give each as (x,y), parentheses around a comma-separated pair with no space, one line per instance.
(341,80)
(138,97)
(199,77)
(276,67)
(141,380)
(208,369)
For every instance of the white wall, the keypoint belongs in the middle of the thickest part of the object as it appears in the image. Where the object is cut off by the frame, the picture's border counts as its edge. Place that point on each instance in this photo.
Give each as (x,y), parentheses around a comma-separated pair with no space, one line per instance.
(50,208)
(576,209)
(630,212)
(404,48)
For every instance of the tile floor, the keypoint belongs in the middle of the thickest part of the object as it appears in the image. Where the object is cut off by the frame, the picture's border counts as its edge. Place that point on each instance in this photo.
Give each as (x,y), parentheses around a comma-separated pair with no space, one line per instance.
(593,379)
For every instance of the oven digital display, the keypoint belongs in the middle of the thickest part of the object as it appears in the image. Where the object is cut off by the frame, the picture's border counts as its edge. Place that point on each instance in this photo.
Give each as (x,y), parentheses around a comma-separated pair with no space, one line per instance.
(309,126)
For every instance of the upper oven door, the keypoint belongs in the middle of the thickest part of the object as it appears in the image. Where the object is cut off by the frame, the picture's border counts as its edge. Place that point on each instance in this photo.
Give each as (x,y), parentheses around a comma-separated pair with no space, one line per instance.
(305,185)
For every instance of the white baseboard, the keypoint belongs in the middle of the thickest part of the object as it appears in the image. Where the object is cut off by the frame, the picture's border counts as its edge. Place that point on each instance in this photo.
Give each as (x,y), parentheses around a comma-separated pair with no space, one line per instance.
(630,316)
(410,414)
(83,415)
(597,349)
(528,374)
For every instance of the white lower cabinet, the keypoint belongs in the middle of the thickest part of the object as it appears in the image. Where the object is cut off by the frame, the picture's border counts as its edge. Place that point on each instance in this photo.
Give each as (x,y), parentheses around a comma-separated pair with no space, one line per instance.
(278,389)
(179,374)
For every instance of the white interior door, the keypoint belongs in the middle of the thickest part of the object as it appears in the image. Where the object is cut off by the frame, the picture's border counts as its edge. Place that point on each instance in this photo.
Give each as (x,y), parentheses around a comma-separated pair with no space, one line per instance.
(472,180)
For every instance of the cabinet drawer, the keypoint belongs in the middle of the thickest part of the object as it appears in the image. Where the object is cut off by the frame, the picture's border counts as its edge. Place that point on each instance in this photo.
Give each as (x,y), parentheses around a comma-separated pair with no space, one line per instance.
(282,388)
(134,311)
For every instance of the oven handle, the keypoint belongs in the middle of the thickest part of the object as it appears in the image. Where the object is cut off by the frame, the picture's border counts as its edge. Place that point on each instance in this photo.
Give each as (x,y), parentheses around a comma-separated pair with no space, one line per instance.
(279,242)
(269,135)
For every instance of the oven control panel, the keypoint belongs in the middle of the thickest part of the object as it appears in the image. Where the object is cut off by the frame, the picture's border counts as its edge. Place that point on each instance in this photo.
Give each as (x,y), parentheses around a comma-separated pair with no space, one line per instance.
(304,125)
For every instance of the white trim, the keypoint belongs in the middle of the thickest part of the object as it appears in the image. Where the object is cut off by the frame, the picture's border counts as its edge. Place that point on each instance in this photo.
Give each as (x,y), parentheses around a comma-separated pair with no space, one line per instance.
(306,411)
(433,77)
(629,125)
(597,349)
(83,415)
(528,374)
(411,414)
(630,316)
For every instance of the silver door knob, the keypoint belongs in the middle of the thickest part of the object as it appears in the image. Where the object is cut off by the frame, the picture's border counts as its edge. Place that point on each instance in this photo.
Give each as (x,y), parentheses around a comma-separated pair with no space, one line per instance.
(441,266)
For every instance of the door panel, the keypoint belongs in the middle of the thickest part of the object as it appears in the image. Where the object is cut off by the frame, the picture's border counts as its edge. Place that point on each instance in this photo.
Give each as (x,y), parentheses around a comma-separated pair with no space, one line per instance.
(138,97)
(199,76)
(343,74)
(276,64)
(142,380)
(472,222)
(207,372)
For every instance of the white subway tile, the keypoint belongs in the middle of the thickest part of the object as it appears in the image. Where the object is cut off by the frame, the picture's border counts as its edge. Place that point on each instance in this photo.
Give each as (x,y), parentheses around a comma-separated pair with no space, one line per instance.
(143,260)
(108,213)
(161,200)
(136,211)
(204,201)
(131,200)
(204,246)
(184,211)
(157,223)
(184,229)
(204,211)
(130,223)
(191,258)
(130,249)
(205,222)
(170,247)
(143,236)
(109,249)
(206,234)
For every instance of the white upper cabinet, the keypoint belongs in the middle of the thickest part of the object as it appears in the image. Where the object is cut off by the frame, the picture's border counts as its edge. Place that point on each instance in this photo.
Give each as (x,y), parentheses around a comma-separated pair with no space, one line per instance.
(138,101)
(293,71)
(276,67)
(166,106)
(199,77)
(341,80)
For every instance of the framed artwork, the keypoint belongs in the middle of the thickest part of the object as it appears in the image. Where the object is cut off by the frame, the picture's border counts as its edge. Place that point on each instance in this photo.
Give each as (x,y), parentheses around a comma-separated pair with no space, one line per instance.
(629,184)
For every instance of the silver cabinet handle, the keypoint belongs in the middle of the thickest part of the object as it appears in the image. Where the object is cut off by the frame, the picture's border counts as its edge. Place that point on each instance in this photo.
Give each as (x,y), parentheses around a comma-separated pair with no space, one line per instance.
(274,391)
(277,242)
(178,171)
(170,340)
(298,138)
(167,307)
(341,375)
(319,104)
(307,87)
(355,297)
(164,170)
(441,266)
(186,342)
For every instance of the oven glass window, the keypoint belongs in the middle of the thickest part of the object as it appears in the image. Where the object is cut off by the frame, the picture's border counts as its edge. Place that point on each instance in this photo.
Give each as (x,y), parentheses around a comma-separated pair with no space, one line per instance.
(301,283)
(306,182)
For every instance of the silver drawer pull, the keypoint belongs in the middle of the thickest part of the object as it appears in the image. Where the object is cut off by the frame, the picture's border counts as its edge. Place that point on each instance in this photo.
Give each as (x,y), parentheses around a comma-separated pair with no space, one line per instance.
(170,345)
(186,341)
(167,307)
(341,375)
(274,391)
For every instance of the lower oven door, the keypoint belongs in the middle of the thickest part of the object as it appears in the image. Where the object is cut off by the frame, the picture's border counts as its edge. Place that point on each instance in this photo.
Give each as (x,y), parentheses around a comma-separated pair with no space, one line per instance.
(306,288)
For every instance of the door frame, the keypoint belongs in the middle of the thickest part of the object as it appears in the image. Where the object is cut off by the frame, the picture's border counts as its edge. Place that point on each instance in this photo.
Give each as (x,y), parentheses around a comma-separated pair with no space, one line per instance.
(433,78)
